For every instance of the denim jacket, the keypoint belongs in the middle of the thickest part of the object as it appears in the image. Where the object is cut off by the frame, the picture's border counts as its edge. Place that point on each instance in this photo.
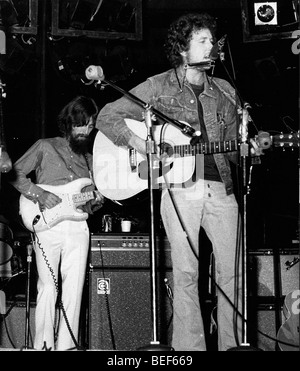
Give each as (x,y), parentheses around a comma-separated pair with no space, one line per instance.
(173,96)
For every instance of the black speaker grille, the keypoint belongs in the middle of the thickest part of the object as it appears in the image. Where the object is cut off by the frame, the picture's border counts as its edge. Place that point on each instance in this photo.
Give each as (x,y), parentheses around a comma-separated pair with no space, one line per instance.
(120,295)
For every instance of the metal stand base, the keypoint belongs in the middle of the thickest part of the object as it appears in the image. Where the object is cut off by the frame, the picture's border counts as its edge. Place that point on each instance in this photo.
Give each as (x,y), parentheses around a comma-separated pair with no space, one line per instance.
(156,347)
(244,348)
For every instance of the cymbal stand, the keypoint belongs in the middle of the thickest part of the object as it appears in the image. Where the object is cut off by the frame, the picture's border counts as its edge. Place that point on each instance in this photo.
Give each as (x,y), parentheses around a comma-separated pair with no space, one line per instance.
(29,261)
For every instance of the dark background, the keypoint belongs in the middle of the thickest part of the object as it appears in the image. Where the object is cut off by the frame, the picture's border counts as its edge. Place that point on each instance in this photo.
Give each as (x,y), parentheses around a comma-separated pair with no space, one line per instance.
(42,72)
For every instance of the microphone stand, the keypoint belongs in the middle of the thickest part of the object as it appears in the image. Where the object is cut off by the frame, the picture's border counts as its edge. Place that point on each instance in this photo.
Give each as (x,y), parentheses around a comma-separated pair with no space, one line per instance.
(150,150)
(244,148)
(149,111)
(29,260)
(244,151)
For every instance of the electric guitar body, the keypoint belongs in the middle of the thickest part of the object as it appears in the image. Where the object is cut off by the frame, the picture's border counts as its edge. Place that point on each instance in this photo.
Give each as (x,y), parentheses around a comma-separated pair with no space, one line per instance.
(72,198)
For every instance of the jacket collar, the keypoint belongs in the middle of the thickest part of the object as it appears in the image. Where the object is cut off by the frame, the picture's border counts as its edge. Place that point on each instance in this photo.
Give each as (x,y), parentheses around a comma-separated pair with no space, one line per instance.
(177,76)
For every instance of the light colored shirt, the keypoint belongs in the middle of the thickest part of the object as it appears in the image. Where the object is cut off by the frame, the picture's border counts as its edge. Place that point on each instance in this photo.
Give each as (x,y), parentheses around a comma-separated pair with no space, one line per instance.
(52,162)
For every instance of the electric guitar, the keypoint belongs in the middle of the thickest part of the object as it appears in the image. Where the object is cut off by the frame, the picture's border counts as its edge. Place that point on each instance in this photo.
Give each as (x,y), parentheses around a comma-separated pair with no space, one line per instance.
(36,220)
(122,172)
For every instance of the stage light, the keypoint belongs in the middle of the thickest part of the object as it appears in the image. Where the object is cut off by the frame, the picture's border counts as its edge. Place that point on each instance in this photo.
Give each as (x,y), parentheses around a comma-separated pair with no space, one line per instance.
(266,14)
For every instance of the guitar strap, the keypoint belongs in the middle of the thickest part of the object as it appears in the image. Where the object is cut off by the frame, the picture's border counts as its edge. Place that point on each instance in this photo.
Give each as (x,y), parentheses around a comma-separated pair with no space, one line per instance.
(98,197)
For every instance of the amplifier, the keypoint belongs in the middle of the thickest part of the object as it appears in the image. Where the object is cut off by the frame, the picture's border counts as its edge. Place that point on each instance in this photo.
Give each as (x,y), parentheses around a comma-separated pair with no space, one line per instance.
(127,250)
(13,326)
(120,305)
(262,331)
(268,267)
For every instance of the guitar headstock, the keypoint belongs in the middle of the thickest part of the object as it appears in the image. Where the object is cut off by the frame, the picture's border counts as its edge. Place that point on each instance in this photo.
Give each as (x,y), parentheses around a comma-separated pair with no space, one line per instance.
(290,140)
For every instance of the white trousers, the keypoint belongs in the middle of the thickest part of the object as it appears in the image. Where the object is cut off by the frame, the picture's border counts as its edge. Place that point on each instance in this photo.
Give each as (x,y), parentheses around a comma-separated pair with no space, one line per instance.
(64,247)
(204,204)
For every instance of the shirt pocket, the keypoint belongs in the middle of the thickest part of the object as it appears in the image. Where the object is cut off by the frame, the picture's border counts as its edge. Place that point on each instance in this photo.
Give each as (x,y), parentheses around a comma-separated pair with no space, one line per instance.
(170,105)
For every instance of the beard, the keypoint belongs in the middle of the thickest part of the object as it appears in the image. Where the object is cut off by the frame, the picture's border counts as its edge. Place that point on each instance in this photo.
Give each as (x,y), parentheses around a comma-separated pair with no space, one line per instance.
(80,144)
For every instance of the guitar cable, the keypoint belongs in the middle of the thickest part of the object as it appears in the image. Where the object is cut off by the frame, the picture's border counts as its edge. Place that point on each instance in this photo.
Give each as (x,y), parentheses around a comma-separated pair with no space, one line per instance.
(60,303)
(37,217)
(110,324)
(170,296)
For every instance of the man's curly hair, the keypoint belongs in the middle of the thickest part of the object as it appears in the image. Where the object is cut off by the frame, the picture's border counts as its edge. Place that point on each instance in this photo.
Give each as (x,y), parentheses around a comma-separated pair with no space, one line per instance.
(180,33)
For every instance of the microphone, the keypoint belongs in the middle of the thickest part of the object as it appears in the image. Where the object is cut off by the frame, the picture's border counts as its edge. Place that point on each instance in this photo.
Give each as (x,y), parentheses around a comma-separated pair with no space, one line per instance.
(264,139)
(217,48)
(94,73)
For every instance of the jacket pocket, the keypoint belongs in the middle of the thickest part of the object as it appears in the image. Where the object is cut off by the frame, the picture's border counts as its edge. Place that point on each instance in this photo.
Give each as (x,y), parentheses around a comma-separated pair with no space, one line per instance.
(170,105)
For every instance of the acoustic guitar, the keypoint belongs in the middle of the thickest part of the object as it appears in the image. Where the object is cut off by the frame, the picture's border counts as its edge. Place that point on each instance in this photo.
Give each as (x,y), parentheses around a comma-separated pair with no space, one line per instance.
(121,173)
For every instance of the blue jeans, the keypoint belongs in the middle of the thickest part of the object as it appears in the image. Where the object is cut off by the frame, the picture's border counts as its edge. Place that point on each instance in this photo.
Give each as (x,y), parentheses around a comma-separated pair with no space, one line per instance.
(204,204)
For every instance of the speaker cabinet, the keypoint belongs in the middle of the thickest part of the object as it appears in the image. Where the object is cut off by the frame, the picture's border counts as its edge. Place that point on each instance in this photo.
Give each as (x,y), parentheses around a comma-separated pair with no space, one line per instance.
(262,329)
(13,326)
(120,295)
(269,272)
(271,276)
